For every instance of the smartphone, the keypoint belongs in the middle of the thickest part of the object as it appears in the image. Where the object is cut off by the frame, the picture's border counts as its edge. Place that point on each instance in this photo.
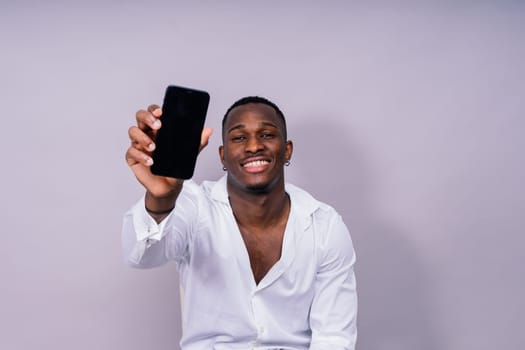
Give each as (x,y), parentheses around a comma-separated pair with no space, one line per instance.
(178,140)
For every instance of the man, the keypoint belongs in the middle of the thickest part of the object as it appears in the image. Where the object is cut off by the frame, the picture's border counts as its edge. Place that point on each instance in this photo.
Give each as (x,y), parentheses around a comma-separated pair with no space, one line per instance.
(262,264)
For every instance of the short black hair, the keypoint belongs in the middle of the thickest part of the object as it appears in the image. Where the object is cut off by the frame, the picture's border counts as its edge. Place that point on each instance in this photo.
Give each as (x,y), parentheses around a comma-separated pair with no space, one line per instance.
(256,99)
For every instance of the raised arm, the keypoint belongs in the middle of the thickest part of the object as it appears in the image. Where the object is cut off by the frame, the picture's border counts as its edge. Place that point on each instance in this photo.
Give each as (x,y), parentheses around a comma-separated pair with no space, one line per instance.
(143,229)
(161,192)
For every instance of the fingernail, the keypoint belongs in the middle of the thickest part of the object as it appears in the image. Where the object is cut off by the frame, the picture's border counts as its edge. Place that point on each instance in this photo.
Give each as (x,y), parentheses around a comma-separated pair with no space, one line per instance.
(157,112)
(149,161)
(156,124)
(151,147)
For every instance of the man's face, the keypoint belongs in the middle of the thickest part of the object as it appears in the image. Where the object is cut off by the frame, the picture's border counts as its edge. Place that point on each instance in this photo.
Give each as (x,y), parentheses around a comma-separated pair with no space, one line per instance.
(255,149)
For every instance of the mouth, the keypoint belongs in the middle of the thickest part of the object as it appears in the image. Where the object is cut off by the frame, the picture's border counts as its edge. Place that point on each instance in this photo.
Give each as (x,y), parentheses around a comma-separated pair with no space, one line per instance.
(255,165)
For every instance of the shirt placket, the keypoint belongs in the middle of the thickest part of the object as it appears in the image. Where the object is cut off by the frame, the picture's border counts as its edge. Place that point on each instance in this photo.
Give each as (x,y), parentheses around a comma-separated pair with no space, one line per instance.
(259,319)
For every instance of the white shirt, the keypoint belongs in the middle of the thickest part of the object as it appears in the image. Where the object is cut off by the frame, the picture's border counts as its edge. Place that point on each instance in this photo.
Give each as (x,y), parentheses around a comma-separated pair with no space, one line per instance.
(307,300)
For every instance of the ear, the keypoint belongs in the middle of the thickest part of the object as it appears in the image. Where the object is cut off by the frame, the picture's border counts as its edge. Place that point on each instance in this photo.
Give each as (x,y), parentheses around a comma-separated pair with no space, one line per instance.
(289,150)
(221,153)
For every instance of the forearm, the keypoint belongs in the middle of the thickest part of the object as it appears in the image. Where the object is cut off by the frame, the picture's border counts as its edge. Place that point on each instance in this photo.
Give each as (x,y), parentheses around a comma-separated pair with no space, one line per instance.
(159,207)
(149,241)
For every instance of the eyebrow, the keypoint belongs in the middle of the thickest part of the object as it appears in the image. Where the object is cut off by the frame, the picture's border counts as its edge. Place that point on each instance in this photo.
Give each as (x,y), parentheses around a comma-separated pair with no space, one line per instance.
(242,126)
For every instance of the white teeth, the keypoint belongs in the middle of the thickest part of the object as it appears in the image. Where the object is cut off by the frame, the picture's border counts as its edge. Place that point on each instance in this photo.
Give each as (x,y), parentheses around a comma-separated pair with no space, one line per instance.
(256,163)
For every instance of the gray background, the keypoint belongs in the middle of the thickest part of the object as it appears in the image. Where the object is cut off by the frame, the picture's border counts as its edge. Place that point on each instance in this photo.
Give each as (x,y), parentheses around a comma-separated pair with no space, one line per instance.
(406,116)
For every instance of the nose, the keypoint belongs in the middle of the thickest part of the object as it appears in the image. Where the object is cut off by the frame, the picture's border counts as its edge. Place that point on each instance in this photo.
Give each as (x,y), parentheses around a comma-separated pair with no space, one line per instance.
(254,145)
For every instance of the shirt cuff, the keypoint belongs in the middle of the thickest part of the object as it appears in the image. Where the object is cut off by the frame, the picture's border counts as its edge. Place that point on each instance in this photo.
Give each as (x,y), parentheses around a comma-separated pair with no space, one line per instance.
(146,228)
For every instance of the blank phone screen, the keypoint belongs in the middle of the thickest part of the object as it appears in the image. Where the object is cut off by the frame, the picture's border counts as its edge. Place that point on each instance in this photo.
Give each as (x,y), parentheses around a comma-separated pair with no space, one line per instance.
(178,140)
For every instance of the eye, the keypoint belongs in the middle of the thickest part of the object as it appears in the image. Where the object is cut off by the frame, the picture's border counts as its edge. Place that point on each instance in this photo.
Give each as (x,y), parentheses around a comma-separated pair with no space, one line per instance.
(267,135)
(238,138)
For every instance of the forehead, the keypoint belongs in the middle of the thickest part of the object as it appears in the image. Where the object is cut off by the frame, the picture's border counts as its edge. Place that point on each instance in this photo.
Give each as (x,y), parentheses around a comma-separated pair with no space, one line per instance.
(252,113)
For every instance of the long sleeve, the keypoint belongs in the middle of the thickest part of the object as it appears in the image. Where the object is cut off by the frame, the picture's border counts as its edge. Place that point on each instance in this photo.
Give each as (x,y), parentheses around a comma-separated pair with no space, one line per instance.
(146,244)
(143,240)
(334,309)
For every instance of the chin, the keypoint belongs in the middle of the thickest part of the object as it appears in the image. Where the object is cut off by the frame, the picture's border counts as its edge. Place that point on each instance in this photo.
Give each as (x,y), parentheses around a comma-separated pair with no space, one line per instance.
(256,184)
(262,185)
(258,187)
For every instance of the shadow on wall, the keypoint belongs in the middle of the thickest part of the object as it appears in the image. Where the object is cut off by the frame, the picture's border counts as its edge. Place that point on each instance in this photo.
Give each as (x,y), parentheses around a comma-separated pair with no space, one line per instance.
(395,311)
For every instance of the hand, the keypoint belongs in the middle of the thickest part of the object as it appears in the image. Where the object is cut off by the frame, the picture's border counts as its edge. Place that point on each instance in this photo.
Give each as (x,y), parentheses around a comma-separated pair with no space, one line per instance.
(138,155)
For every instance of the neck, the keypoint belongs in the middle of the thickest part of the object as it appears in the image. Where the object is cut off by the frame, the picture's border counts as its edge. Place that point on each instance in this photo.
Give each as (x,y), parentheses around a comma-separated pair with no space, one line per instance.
(259,209)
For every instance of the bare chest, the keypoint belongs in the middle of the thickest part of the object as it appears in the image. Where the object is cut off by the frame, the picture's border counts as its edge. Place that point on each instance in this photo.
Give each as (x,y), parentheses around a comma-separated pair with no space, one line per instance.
(264,249)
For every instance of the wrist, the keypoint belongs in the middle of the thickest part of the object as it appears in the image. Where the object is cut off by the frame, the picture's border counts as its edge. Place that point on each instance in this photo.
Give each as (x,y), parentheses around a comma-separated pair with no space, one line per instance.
(160,205)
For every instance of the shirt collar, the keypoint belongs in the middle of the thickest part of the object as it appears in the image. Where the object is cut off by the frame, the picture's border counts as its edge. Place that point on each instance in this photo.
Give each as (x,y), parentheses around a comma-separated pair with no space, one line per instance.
(303,204)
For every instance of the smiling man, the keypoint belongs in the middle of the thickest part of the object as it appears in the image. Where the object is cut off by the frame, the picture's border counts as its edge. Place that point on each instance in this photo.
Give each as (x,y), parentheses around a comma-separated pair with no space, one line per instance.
(263,265)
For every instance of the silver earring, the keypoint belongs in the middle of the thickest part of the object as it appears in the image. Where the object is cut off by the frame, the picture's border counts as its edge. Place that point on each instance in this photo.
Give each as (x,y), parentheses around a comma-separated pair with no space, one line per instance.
(224,168)
(287,163)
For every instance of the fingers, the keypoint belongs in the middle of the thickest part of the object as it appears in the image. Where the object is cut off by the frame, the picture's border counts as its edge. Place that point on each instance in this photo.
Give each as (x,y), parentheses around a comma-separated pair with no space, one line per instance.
(142,146)
(140,140)
(143,135)
(205,137)
(148,120)
(135,157)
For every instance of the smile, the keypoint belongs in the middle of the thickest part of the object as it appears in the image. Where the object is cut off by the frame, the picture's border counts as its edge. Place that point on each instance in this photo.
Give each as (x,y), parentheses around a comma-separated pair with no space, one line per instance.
(255,163)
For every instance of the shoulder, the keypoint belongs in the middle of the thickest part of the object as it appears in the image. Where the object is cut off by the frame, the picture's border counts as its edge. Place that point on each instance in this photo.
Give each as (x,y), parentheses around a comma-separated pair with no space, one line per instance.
(195,205)
(207,191)
(325,223)
(308,206)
